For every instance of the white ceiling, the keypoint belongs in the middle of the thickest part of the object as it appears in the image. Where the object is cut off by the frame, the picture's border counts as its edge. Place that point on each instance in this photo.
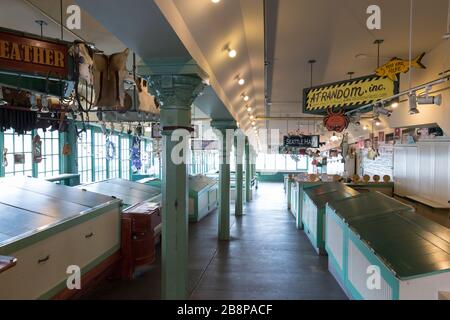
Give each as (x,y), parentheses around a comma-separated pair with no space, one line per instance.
(206,28)
(333,33)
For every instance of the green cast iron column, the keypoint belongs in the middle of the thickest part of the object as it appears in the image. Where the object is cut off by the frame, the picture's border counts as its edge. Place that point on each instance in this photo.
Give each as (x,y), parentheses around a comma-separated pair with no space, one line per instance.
(239,151)
(226,139)
(247,172)
(175,94)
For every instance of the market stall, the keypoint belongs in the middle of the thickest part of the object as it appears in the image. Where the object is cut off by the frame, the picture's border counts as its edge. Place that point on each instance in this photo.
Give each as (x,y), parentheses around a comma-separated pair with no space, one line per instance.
(314,203)
(49,227)
(373,232)
(203,196)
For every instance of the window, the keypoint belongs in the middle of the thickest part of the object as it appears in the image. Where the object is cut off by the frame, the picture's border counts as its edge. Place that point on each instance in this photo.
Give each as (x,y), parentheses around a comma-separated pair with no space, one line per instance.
(85,156)
(114,164)
(125,157)
(49,166)
(280,162)
(19,154)
(100,156)
(146,157)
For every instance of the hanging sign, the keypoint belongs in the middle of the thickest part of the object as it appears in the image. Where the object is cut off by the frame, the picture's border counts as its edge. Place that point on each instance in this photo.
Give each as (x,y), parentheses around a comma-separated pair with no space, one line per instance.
(37,149)
(336,121)
(301,141)
(396,66)
(33,55)
(348,94)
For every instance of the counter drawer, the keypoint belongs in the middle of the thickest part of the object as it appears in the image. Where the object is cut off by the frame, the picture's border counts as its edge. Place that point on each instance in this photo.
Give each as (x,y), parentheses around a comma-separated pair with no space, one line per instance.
(42,266)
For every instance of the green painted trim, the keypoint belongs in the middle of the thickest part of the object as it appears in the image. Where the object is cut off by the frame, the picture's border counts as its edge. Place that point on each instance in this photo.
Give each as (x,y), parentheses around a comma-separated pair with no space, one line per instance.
(34,166)
(63,285)
(92,131)
(2,145)
(90,214)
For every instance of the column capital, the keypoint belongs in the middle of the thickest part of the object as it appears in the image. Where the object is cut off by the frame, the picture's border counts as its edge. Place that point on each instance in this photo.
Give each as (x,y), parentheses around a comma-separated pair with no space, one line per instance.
(224,124)
(174,91)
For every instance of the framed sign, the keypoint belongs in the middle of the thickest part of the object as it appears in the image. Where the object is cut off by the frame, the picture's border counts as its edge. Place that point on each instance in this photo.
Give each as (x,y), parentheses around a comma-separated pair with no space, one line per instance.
(301,141)
(33,55)
(348,94)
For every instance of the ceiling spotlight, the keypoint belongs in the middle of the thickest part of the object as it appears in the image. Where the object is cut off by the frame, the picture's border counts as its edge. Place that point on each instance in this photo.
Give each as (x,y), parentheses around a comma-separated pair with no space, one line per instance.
(241,81)
(381,110)
(412,101)
(215,1)
(245,97)
(253,123)
(2,101)
(437,100)
(366,127)
(249,109)
(44,103)
(252,117)
(394,105)
(232,53)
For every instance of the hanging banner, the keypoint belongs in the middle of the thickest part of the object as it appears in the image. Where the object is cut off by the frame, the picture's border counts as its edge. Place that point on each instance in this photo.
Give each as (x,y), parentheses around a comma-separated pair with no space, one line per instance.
(33,55)
(348,94)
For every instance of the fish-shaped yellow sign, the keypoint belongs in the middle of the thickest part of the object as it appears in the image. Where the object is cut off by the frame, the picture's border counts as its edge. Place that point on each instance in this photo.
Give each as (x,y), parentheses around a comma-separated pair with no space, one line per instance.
(397,65)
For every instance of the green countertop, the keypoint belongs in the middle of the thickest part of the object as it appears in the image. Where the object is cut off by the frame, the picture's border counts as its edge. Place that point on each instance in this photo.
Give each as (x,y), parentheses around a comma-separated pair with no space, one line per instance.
(323,193)
(30,206)
(74,195)
(410,245)
(200,182)
(366,204)
(129,192)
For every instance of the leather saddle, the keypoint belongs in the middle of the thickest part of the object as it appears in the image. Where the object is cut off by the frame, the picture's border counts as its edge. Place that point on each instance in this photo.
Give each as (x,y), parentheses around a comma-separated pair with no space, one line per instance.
(109,75)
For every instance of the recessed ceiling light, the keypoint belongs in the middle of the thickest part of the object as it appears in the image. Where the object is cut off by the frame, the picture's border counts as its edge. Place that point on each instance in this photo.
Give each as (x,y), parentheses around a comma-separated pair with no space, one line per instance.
(246,98)
(249,109)
(241,81)
(215,1)
(252,117)
(232,53)
(253,123)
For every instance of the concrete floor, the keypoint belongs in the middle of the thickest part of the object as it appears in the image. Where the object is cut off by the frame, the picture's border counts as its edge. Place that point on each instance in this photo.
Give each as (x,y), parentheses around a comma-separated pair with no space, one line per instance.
(267,258)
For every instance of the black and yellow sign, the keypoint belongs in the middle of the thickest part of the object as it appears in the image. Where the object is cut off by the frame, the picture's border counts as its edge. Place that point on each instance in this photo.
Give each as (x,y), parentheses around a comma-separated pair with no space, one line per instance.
(349,94)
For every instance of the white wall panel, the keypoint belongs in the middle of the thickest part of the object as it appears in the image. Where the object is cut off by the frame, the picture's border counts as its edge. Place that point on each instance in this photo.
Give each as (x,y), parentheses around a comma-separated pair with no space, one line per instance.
(423,170)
